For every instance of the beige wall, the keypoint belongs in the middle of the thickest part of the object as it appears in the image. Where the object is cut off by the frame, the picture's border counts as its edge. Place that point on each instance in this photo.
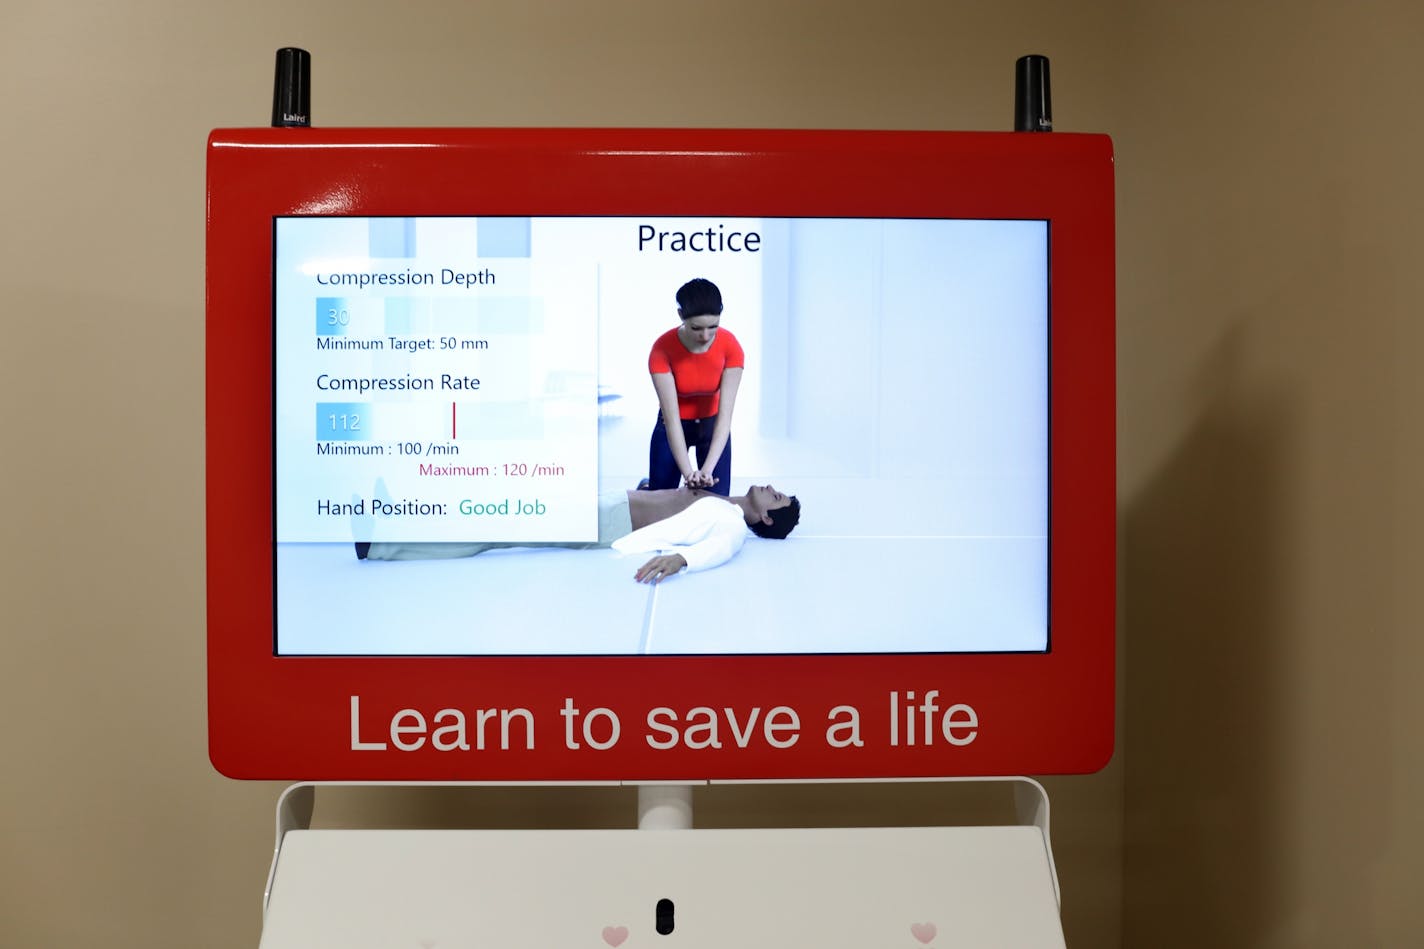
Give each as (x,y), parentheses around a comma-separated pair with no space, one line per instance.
(1264,792)
(1270,325)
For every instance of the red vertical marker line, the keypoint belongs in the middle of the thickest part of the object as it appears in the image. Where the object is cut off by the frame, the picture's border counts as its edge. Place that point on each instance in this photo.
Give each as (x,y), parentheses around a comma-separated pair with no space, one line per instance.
(452,420)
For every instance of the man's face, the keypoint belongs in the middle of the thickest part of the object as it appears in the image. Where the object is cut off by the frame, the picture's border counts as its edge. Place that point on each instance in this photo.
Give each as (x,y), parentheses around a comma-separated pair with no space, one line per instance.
(765,499)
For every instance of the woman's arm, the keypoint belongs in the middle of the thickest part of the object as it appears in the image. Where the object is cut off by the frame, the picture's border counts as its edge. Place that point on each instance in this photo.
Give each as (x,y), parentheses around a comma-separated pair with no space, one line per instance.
(722,428)
(666,389)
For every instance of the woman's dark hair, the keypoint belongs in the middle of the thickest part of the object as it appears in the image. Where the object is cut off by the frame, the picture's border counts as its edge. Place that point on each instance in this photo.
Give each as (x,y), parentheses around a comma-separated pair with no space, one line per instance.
(782,520)
(699,297)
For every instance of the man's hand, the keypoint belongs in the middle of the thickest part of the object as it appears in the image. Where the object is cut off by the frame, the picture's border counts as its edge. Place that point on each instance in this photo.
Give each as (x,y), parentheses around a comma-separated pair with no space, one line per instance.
(660,567)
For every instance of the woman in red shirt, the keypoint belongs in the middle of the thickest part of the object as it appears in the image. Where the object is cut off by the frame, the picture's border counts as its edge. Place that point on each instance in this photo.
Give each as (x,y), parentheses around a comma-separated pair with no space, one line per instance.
(696,370)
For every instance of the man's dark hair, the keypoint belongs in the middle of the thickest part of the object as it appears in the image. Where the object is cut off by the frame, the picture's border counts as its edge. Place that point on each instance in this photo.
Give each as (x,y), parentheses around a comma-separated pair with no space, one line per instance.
(699,297)
(782,520)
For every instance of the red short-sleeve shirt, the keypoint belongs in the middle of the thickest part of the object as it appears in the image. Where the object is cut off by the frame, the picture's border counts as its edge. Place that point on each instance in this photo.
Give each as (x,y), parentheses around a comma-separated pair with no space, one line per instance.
(698,376)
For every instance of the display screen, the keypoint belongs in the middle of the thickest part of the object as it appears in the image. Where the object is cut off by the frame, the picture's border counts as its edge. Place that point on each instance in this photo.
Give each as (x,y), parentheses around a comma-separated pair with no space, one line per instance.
(465,409)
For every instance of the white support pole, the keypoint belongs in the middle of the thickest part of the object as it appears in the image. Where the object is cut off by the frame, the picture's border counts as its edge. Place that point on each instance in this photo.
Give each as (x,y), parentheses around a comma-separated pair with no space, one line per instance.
(664,807)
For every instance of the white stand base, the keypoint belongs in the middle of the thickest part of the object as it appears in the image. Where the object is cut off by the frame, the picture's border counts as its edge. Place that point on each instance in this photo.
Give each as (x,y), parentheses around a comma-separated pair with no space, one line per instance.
(910,887)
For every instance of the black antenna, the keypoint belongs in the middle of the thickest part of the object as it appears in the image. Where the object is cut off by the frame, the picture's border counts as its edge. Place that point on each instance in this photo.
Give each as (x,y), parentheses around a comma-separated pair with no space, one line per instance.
(1033,107)
(291,89)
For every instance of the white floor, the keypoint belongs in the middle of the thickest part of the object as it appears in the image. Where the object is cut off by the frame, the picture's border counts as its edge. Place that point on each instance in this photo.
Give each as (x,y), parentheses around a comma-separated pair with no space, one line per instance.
(803,594)
(878,564)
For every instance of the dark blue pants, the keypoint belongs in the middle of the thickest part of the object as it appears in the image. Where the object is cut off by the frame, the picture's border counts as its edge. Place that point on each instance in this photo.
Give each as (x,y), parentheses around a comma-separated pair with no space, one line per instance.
(662,467)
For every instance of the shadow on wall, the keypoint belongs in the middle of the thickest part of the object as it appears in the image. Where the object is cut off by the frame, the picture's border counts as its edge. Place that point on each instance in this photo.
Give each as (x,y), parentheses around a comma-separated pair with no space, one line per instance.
(792,805)
(1207,632)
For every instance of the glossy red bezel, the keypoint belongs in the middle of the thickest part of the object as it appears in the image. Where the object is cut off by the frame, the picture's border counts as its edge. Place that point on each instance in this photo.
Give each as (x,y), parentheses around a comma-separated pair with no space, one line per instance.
(289,717)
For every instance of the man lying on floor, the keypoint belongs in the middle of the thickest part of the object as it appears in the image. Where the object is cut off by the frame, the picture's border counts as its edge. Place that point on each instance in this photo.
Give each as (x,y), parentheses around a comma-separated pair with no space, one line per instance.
(699,529)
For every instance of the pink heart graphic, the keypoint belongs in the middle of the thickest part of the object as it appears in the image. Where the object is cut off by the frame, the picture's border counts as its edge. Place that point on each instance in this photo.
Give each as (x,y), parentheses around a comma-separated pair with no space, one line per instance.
(924,932)
(614,935)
